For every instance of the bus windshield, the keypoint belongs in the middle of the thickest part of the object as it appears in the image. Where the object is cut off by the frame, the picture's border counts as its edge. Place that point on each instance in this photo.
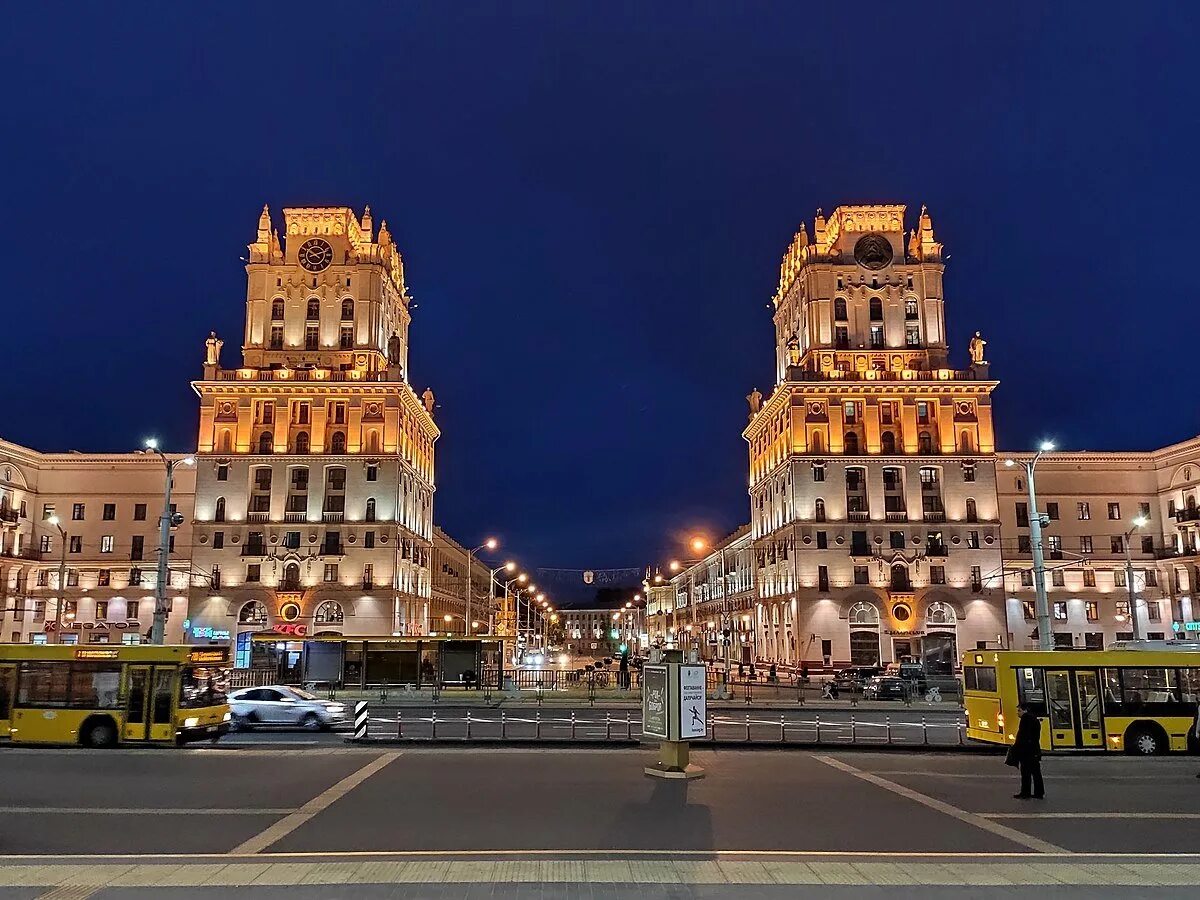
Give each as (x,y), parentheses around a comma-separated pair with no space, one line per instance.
(203,686)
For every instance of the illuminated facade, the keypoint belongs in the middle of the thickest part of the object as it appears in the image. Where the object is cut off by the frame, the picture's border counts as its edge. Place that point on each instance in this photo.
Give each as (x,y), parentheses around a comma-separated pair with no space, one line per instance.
(315,463)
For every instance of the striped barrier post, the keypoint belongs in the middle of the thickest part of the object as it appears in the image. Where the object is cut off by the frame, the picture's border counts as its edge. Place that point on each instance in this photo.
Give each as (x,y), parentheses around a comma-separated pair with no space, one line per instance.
(360,720)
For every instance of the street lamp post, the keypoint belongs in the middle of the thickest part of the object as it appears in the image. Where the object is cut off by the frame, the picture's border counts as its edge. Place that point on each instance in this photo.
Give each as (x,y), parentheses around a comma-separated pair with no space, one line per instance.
(1133,610)
(489,544)
(62,579)
(158,630)
(1045,635)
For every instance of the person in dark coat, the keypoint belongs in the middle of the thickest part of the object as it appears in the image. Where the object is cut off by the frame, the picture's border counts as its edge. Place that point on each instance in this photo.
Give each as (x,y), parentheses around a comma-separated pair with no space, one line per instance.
(1026,751)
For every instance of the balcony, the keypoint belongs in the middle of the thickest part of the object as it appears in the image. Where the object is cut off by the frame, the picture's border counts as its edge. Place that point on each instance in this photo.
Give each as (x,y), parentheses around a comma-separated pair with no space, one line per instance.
(253,517)
(9,516)
(289,586)
(935,550)
(1187,515)
(298,374)
(328,549)
(328,516)
(896,515)
(254,550)
(24,553)
(858,515)
(294,517)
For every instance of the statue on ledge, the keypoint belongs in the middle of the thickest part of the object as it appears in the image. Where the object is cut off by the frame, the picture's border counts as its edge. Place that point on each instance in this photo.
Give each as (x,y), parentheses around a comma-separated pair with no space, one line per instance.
(754,398)
(428,400)
(393,350)
(975,348)
(793,349)
(212,349)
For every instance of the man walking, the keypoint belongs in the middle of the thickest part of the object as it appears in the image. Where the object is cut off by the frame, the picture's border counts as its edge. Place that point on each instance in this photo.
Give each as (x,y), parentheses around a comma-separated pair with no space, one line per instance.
(1026,752)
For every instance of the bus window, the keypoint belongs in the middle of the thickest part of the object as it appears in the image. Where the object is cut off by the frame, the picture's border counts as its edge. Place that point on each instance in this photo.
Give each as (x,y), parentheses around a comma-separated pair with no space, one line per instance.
(7,677)
(1031,689)
(1143,686)
(980,678)
(138,677)
(162,696)
(43,684)
(1189,685)
(95,686)
(203,686)
(1058,686)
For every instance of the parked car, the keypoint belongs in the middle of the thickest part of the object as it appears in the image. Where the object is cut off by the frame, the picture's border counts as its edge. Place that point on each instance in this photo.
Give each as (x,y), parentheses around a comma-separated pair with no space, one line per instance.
(284,705)
(886,687)
(853,677)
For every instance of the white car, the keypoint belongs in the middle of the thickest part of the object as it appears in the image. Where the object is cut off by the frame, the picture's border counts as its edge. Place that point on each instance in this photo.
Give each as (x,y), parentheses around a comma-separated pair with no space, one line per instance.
(284,705)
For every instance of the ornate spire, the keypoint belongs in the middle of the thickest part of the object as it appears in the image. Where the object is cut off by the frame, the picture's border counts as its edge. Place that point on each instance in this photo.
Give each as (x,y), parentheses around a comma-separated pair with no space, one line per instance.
(368,224)
(264,225)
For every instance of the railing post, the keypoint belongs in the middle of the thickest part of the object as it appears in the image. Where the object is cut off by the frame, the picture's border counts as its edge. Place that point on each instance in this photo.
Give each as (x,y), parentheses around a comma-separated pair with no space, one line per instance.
(468,724)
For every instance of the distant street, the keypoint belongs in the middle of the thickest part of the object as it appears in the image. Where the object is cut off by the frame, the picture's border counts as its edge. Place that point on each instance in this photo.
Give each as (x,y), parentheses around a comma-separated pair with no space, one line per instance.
(552,822)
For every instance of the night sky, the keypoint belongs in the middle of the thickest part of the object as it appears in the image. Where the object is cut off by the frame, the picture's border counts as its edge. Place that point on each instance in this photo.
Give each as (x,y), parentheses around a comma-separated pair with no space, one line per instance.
(592,201)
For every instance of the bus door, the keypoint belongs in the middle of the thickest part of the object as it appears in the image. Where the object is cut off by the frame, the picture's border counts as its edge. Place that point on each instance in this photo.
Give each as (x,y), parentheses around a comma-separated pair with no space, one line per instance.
(8,686)
(137,704)
(165,688)
(1087,702)
(1060,709)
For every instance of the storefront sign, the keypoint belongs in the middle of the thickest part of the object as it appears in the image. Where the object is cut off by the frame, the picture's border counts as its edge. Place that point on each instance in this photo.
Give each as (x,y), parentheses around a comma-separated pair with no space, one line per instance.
(298,629)
(917,633)
(51,625)
(207,631)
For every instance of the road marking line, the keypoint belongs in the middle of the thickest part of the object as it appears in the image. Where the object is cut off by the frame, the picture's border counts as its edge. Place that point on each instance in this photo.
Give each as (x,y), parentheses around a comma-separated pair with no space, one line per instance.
(1010,834)
(1090,815)
(1098,776)
(71,892)
(317,804)
(144,811)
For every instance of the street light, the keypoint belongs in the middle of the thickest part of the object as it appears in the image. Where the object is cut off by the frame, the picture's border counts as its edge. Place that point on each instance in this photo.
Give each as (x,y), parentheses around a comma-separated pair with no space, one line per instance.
(1138,523)
(62,579)
(1045,636)
(489,544)
(158,630)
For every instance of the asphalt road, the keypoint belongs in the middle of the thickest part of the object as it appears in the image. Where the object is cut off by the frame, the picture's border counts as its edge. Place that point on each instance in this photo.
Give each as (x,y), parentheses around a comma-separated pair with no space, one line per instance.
(913,726)
(515,823)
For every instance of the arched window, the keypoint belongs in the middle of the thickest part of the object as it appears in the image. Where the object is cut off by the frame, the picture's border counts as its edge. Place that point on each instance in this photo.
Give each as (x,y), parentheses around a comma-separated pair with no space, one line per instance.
(839,309)
(887,442)
(864,614)
(964,442)
(226,442)
(924,442)
(302,442)
(329,613)
(940,614)
(276,310)
(337,443)
(372,441)
(876,309)
(972,511)
(900,580)
(820,510)
(370,515)
(347,309)
(314,309)
(253,613)
(266,442)
(291,577)
(219,514)
(818,443)
(850,443)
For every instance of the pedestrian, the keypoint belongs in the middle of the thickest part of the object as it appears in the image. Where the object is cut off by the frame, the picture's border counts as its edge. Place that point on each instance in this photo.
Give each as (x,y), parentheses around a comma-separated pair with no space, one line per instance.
(1026,754)
(804,672)
(741,670)
(773,675)
(753,676)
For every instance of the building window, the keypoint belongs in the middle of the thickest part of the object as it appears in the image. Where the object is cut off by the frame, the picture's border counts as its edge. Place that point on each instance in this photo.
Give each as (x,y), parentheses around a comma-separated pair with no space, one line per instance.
(218,540)
(1089,577)
(1056,578)
(253,572)
(137,546)
(291,540)
(1084,510)
(131,610)
(1153,611)
(276,342)
(311,337)
(347,309)
(876,306)
(861,575)
(1023,544)
(819,508)
(135,576)
(818,473)
(851,443)
(876,337)
(337,444)
(45,544)
(937,574)
(369,540)
(313,310)
(266,443)
(75,544)
(302,442)
(887,442)
(139,511)
(1144,510)
(1026,578)
(1052,510)
(77,512)
(370,513)
(972,540)
(372,473)
(253,613)
(329,613)
(968,473)
(976,579)
(1092,610)
(1119,578)
(972,511)
(839,309)
(1085,543)
(1147,545)
(331,572)
(1152,578)
(43,577)
(922,412)
(346,337)
(1028,610)
(1022,515)
(106,543)
(1054,545)
(1114,511)
(910,309)
(47,511)
(1060,610)
(103,578)
(1116,544)
(222,473)
(109,513)
(912,336)
(841,338)
(924,443)
(219,513)
(276,310)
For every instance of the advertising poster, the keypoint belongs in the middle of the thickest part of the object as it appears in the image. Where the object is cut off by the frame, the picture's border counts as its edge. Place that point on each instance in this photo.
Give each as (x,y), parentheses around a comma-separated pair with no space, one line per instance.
(693,714)
(654,701)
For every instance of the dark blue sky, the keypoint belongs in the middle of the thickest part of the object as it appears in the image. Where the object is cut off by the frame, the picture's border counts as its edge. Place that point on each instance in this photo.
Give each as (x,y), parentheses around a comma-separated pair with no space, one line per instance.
(592,200)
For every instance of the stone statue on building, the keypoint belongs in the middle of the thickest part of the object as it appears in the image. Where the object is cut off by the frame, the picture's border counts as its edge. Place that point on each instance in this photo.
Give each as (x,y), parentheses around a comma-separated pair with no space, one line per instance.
(428,400)
(393,350)
(975,348)
(212,349)
(754,398)
(793,349)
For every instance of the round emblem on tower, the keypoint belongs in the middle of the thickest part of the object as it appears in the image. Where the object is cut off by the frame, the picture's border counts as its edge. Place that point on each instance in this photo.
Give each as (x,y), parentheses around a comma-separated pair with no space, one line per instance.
(873,251)
(315,255)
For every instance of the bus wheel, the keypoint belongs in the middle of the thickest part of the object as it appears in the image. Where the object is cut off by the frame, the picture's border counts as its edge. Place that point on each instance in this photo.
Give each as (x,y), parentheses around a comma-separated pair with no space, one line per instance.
(99,733)
(1145,740)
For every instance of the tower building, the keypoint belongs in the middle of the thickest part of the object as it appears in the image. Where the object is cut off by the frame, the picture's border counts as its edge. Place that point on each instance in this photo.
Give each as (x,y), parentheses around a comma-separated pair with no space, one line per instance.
(315,463)
(872,483)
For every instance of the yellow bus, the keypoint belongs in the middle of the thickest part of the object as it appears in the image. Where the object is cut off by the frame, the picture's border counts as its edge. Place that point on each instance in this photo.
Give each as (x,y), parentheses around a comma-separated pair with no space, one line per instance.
(1139,697)
(101,696)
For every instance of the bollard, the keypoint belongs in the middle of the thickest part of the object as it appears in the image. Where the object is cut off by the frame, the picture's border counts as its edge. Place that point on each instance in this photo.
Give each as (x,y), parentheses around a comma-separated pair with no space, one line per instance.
(360,720)
(628,728)
(782,730)
(747,726)
(712,727)
(887,721)
(432,724)
(818,740)
(399,724)
(468,724)
(503,725)
(924,730)
(572,724)
(852,738)
(607,726)
(959,728)
(537,725)
(383,692)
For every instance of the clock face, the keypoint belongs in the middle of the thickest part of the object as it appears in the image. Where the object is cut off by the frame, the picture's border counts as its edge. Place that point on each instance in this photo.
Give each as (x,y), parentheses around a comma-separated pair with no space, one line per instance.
(873,251)
(316,255)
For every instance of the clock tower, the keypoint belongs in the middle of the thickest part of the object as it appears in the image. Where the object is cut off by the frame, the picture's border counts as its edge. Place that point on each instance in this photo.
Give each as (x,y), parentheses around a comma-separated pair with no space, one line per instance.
(315,477)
